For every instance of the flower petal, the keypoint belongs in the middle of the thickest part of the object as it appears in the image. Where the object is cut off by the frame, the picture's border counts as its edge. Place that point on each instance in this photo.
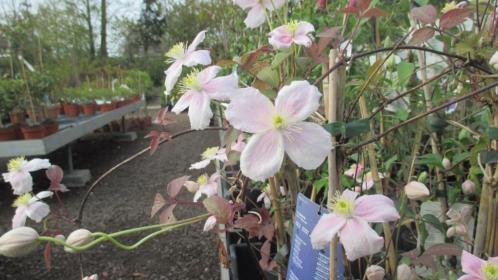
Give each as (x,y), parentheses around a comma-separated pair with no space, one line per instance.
(210,223)
(37,211)
(307,144)
(250,111)
(326,228)
(200,165)
(349,195)
(244,4)
(21,181)
(303,28)
(201,57)
(255,17)
(375,208)
(19,218)
(183,102)
(471,264)
(359,239)
(222,88)
(303,40)
(41,195)
(280,37)
(174,71)
(36,164)
(263,155)
(199,38)
(199,111)
(273,4)
(297,101)
(208,74)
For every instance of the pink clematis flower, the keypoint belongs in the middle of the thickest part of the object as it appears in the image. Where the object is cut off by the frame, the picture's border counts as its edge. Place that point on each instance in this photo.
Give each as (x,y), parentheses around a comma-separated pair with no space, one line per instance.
(18,175)
(257,10)
(354,170)
(204,185)
(30,206)
(279,129)
(350,218)
(294,32)
(367,182)
(478,269)
(181,55)
(210,154)
(54,174)
(199,88)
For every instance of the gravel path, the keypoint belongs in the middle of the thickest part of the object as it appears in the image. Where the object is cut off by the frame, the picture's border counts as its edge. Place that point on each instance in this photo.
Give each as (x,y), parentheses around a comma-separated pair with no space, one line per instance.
(124,200)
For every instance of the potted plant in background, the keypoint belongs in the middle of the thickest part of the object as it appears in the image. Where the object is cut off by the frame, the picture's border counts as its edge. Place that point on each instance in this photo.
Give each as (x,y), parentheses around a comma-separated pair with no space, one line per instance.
(13,89)
(87,100)
(71,108)
(7,103)
(105,99)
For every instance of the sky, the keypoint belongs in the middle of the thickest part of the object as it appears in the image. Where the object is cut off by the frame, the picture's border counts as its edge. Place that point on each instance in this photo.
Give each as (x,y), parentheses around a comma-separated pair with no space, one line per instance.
(116,9)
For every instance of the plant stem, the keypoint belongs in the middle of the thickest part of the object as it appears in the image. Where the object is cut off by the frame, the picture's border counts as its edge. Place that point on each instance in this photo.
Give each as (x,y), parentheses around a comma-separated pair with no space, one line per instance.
(280,229)
(391,254)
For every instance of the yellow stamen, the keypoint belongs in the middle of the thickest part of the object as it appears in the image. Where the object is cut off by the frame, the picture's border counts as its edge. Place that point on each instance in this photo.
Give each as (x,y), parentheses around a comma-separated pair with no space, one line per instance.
(342,206)
(202,180)
(292,26)
(278,121)
(22,200)
(490,271)
(449,6)
(191,82)
(178,50)
(209,152)
(15,164)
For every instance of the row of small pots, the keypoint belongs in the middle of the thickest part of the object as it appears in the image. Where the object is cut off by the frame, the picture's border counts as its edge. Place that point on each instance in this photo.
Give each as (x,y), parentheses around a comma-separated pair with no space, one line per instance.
(16,132)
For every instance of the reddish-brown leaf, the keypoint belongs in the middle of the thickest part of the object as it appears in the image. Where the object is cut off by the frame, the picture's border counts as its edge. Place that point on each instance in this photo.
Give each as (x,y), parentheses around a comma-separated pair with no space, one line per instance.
(163,117)
(248,59)
(174,187)
(421,35)
(47,256)
(454,17)
(363,4)
(425,14)
(374,12)
(266,262)
(159,203)
(351,10)
(219,208)
(166,215)
(443,250)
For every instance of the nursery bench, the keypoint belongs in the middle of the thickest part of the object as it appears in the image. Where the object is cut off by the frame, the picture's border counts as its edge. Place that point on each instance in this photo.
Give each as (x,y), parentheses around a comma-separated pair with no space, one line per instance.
(71,129)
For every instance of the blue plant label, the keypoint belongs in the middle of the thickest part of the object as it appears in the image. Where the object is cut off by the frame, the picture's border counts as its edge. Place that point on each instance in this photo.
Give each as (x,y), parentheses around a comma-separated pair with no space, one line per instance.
(304,262)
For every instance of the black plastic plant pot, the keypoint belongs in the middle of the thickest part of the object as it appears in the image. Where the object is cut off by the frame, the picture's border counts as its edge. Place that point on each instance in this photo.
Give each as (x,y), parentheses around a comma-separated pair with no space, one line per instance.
(243,266)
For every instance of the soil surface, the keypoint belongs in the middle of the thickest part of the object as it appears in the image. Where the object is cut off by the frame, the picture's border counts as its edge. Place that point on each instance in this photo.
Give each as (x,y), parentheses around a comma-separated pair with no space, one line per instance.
(123,200)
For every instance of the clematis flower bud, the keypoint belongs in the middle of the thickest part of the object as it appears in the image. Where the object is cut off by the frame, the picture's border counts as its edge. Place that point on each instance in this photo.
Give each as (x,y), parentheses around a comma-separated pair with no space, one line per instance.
(405,272)
(78,237)
(18,242)
(493,61)
(416,190)
(468,187)
(91,277)
(446,164)
(456,230)
(375,272)
(321,4)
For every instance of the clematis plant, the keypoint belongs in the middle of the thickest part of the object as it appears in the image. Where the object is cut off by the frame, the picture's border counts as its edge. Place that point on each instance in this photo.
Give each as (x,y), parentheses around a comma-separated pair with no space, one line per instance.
(349,220)
(478,269)
(257,10)
(294,32)
(30,206)
(279,129)
(210,154)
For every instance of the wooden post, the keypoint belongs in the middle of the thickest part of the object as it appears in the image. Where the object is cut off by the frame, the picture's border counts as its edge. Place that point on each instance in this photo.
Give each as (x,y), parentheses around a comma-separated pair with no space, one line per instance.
(333,101)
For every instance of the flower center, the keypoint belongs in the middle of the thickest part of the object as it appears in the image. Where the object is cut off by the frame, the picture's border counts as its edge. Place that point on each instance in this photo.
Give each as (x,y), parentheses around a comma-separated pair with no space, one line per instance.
(343,207)
(202,180)
(22,200)
(191,82)
(15,164)
(209,153)
(490,271)
(278,121)
(177,51)
(292,26)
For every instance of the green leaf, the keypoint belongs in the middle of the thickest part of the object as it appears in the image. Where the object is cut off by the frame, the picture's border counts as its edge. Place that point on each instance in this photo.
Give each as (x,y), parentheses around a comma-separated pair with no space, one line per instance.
(389,162)
(460,157)
(405,71)
(432,160)
(336,128)
(488,156)
(357,127)
(269,76)
(434,221)
(493,133)
(279,58)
